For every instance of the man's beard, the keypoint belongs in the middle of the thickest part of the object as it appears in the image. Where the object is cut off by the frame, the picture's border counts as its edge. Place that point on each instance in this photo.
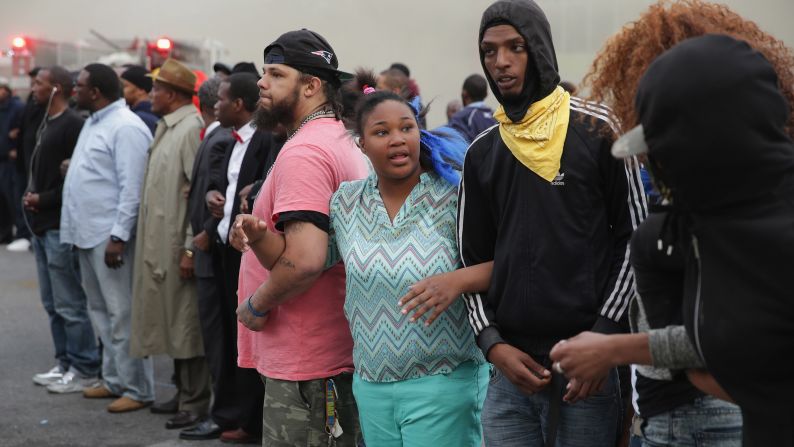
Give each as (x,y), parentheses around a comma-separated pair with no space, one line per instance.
(282,112)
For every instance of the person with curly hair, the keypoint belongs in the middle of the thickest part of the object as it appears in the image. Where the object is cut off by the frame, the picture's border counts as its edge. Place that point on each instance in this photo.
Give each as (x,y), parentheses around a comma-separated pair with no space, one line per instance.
(616,71)
(664,392)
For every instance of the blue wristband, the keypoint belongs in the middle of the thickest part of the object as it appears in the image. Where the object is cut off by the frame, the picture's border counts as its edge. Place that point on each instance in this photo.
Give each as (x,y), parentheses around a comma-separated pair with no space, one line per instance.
(253,311)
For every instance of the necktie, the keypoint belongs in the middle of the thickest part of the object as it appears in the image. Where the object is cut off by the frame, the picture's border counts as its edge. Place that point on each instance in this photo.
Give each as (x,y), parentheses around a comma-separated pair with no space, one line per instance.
(237,136)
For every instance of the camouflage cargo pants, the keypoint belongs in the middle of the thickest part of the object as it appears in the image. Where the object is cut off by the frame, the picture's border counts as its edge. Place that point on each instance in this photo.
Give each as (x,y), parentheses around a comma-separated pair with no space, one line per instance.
(294,413)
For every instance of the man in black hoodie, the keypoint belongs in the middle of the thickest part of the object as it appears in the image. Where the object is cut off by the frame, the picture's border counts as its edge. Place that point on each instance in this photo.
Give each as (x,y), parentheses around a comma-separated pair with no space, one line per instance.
(543,198)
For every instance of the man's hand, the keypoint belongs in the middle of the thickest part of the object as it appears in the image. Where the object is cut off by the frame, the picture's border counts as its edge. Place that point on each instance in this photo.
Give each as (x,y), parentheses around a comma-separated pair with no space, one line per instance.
(519,368)
(65,167)
(12,155)
(705,382)
(577,391)
(215,202)
(246,230)
(186,267)
(31,202)
(114,254)
(436,292)
(586,360)
(588,357)
(247,319)
(244,199)
(202,241)
(13,134)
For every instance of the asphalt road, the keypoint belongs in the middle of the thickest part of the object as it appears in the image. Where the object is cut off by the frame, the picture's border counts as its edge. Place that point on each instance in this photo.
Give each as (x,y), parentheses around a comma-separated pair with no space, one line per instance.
(29,415)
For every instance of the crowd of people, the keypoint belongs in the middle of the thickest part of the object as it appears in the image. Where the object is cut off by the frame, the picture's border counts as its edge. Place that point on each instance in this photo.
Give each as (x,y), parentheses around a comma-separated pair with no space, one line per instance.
(323,269)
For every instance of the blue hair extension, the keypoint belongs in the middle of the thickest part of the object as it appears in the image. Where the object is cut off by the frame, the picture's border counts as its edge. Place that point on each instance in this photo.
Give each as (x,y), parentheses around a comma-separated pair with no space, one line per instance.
(447,149)
(445,145)
(416,105)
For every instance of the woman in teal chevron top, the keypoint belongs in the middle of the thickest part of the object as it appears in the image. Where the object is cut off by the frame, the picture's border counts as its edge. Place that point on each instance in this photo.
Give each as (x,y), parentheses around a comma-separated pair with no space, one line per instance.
(419,381)
(420,377)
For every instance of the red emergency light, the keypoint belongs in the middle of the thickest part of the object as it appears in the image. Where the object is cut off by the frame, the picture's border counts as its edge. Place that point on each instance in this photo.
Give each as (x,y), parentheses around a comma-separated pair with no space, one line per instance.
(163,44)
(19,42)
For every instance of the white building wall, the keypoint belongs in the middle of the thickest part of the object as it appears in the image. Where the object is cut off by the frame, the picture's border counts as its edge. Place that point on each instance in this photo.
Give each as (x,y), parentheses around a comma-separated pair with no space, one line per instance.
(436,38)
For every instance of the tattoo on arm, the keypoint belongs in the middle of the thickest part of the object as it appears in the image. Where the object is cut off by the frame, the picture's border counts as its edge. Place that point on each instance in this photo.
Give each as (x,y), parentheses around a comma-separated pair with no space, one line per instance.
(291,228)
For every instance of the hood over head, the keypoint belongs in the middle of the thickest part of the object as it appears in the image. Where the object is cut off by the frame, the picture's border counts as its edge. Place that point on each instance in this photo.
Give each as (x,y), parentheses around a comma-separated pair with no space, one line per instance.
(714,123)
(542,75)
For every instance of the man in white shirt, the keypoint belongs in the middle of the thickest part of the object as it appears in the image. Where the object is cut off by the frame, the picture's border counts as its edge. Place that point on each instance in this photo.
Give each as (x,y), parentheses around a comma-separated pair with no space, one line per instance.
(101,196)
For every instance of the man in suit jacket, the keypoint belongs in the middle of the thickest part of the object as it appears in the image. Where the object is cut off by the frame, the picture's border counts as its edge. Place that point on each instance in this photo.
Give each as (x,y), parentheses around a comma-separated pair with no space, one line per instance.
(237,409)
(214,141)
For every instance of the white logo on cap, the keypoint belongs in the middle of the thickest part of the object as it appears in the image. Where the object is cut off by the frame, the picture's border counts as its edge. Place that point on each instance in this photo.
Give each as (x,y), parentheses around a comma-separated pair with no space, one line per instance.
(324,54)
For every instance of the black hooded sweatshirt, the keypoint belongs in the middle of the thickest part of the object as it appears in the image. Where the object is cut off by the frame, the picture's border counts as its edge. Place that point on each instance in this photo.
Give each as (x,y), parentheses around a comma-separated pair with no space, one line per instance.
(560,249)
(721,146)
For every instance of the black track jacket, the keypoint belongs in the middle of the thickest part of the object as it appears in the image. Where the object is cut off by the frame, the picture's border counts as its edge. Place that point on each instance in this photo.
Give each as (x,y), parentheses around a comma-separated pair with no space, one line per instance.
(560,249)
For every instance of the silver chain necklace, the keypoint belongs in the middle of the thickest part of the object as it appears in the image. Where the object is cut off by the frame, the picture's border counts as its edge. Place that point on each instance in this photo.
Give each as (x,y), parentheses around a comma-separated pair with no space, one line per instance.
(309,117)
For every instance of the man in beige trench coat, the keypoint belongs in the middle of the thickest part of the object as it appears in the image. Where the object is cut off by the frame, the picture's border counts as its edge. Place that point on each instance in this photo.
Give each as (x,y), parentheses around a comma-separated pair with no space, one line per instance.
(165,308)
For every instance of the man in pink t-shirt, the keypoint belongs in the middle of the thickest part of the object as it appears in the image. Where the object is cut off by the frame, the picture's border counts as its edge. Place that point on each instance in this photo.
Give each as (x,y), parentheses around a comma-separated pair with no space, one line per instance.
(296,334)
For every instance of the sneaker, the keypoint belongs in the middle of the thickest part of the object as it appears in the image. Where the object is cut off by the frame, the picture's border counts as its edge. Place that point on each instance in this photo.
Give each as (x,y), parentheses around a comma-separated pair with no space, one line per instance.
(19,245)
(49,377)
(71,382)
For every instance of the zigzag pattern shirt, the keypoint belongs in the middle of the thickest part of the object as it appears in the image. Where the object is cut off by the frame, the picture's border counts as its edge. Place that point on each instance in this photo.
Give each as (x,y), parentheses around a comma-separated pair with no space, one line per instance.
(382,259)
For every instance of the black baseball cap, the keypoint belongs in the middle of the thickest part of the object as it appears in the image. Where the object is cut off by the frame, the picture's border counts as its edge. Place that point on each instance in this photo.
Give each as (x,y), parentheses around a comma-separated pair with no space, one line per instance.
(308,52)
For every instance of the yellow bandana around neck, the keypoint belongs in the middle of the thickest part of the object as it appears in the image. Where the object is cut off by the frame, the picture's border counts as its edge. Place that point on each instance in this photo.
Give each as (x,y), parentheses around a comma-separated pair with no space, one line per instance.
(537,140)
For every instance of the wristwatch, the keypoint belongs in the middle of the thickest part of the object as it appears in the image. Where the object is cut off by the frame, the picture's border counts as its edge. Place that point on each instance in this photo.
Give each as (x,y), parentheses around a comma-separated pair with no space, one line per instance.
(116,239)
(189,253)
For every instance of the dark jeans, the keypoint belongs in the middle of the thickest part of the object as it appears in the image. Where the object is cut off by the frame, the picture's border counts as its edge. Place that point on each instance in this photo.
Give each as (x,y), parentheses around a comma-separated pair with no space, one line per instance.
(65,302)
(512,419)
(705,422)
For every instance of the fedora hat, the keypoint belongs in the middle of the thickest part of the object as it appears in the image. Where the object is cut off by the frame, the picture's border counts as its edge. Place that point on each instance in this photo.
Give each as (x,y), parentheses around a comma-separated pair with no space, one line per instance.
(175,74)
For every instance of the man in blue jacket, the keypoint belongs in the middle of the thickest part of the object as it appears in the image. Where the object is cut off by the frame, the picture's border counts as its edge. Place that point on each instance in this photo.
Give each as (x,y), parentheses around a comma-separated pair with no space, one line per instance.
(475,117)
(137,86)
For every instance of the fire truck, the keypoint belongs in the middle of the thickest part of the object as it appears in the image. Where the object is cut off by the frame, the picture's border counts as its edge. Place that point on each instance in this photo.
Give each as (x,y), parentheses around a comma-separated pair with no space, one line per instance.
(26,52)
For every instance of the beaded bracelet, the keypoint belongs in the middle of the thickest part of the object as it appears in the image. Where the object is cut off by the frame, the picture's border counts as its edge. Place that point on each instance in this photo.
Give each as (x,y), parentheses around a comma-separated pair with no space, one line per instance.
(254,311)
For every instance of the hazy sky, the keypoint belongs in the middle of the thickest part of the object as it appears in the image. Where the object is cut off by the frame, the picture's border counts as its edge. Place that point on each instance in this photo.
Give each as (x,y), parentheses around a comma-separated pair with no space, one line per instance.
(437,39)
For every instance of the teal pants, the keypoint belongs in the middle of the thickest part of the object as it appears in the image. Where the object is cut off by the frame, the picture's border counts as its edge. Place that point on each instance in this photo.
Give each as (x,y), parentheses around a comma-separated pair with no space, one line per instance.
(433,411)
